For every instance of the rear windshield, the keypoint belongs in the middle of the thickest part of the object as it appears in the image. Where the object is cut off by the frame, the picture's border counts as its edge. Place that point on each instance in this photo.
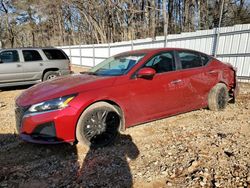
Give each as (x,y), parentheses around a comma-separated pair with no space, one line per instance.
(53,54)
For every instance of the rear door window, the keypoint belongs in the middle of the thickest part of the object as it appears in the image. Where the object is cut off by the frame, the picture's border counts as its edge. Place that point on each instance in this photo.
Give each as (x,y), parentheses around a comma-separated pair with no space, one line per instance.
(9,56)
(205,59)
(31,55)
(189,59)
(54,54)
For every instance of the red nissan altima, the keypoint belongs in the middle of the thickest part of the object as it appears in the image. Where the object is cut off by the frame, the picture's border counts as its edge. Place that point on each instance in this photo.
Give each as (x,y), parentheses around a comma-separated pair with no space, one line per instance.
(124,90)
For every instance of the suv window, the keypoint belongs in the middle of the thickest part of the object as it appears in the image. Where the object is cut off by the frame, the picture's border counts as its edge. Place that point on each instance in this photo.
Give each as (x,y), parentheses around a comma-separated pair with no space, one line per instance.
(53,54)
(31,55)
(205,59)
(189,60)
(9,56)
(162,63)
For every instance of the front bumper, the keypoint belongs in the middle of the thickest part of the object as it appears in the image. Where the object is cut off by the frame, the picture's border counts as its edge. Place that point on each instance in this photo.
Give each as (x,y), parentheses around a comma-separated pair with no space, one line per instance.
(47,127)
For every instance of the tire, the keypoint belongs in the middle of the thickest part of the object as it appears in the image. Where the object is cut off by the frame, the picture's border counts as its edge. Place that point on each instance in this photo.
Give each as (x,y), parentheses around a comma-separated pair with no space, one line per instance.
(50,75)
(98,125)
(218,97)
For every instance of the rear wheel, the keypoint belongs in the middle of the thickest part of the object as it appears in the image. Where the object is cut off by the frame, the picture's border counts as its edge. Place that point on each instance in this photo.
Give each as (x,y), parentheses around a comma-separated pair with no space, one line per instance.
(98,125)
(218,97)
(50,75)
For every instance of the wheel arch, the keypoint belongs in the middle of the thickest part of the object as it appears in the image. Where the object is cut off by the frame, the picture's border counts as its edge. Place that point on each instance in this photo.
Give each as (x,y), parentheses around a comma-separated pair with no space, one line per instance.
(223,82)
(49,69)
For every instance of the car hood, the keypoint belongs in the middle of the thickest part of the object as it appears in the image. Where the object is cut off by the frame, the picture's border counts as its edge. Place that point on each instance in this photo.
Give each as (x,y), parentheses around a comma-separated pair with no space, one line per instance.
(61,87)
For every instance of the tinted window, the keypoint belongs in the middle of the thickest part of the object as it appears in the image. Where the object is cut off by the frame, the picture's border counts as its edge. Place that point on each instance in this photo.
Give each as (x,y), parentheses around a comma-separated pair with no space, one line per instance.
(205,59)
(162,63)
(9,56)
(189,60)
(54,54)
(31,55)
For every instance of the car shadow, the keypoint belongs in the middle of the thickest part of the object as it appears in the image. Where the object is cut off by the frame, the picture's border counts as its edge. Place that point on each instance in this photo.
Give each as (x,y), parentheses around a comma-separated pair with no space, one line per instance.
(108,166)
(15,87)
(34,165)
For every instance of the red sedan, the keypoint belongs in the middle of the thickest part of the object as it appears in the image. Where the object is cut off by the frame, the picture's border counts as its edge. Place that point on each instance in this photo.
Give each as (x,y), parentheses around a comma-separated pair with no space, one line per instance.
(127,89)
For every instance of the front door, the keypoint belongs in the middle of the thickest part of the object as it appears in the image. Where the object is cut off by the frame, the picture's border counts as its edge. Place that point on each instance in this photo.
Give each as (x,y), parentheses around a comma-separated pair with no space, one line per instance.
(160,96)
(11,69)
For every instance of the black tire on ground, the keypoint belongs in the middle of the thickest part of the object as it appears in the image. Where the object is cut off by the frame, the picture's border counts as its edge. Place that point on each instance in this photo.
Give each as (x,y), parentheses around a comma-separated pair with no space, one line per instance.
(98,125)
(50,75)
(218,97)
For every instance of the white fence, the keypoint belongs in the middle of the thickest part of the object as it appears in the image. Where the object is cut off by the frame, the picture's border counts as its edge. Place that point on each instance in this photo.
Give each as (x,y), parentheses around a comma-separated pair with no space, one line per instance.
(233,46)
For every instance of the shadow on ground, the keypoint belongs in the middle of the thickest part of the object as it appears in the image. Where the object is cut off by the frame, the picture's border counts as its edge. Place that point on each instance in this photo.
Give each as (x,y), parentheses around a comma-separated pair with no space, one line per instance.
(32,165)
(15,88)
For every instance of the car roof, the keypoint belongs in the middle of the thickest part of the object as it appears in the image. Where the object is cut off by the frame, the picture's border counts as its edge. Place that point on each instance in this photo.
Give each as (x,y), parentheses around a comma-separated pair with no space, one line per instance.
(29,48)
(156,50)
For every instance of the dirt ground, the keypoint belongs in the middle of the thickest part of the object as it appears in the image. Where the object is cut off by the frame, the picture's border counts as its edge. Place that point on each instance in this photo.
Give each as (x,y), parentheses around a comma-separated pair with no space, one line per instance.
(197,149)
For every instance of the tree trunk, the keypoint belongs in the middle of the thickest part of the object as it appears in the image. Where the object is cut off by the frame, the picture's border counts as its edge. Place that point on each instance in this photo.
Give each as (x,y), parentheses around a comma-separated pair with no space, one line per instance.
(203,10)
(170,16)
(153,15)
(165,21)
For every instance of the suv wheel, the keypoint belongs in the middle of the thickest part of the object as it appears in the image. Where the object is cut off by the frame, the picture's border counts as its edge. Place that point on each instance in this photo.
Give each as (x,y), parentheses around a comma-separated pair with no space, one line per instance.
(50,75)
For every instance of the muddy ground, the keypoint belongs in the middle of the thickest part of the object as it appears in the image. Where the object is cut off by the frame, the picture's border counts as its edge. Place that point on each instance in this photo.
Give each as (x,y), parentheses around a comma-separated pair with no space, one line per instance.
(197,149)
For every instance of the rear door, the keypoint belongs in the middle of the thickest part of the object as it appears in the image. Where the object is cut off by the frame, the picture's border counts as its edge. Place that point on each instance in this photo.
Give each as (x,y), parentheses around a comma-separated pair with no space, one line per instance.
(11,69)
(211,70)
(32,64)
(194,79)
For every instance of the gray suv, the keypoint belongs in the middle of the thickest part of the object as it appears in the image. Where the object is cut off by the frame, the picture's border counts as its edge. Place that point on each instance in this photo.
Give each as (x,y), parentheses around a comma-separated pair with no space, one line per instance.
(30,65)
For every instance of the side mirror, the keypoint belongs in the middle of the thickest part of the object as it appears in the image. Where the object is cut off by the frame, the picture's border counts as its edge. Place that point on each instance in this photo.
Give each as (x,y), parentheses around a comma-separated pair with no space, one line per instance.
(147,73)
(1,61)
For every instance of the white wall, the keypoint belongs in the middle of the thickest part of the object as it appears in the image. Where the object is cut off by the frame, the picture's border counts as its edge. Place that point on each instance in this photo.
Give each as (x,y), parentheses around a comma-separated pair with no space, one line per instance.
(233,47)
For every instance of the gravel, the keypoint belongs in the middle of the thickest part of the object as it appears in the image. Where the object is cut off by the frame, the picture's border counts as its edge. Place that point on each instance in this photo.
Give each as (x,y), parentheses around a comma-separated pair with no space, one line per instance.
(196,149)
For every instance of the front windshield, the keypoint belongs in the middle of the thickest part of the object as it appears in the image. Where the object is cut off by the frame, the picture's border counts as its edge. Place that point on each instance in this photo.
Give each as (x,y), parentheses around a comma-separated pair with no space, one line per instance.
(117,65)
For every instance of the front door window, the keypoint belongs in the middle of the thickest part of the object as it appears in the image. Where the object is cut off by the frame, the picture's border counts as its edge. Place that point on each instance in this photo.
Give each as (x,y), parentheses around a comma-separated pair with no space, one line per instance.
(10,56)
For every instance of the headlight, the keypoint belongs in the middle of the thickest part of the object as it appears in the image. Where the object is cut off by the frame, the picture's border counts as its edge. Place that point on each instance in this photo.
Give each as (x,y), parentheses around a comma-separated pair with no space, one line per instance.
(53,104)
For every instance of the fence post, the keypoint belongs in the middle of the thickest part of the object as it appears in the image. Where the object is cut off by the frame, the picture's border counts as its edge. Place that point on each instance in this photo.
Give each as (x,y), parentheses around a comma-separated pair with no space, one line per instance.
(70,56)
(80,47)
(165,41)
(109,49)
(93,55)
(218,30)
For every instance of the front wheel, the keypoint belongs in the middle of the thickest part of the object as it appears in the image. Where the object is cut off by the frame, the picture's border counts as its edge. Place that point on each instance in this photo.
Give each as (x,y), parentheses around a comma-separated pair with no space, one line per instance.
(98,125)
(218,97)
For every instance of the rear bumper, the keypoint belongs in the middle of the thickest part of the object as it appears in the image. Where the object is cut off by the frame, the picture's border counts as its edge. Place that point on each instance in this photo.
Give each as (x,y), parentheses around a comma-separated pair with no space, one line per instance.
(65,72)
(236,90)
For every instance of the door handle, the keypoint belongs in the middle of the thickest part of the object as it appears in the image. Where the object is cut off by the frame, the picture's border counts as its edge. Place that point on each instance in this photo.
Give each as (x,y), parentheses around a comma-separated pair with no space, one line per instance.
(41,64)
(18,65)
(176,81)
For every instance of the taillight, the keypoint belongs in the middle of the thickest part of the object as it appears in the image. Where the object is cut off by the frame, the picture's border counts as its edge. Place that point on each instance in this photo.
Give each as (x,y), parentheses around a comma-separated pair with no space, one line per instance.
(69,65)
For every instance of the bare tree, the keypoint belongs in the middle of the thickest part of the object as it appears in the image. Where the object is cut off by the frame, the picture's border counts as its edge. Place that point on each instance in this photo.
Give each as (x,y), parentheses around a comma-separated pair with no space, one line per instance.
(68,22)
